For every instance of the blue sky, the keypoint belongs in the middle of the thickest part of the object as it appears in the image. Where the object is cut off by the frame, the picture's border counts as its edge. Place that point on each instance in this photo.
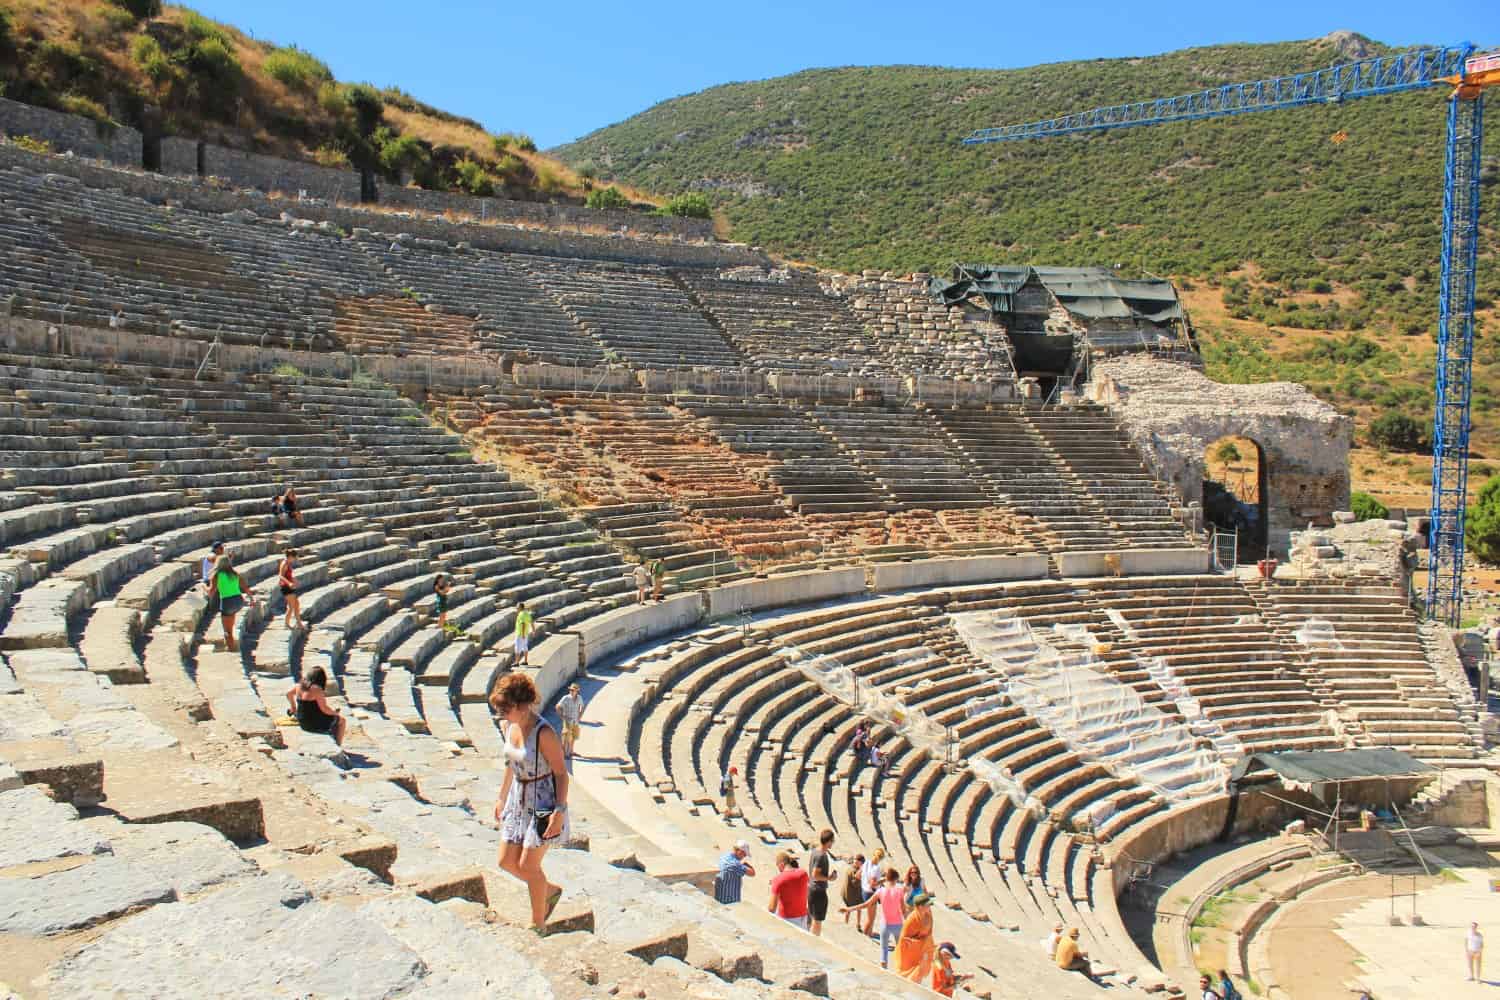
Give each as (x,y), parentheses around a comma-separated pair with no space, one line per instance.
(558,71)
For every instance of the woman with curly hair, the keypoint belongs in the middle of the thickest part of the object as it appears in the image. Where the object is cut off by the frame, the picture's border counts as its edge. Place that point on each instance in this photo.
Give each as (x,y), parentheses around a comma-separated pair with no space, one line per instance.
(532,809)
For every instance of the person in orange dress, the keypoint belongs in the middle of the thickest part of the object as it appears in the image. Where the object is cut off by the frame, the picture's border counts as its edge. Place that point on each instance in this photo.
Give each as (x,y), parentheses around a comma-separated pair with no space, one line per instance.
(914,949)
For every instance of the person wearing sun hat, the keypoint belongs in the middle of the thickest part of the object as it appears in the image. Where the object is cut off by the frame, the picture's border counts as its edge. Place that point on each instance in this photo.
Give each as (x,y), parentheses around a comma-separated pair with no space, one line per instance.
(733,867)
(944,979)
(914,949)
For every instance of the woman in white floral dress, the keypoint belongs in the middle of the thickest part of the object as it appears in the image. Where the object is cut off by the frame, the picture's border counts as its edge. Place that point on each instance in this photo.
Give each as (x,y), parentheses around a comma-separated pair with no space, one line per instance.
(533,806)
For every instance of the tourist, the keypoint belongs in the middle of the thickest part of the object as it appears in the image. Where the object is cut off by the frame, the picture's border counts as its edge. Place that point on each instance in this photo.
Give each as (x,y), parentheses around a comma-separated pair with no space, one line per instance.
(944,979)
(525,625)
(733,867)
(853,892)
(914,948)
(726,789)
(819,871)
(1072,958)
(642,582)
(871,875)
(1206,989)
(1227,990)
(885,901)
(286,504)
(533,805)
(308,699)
(877,758)
(658,578)
(441,585)
(286,576)
(859,743)
(1474,953)
(206,570)
(230,588)
(912,887)
(1050,942)
(789,891)
(570,711)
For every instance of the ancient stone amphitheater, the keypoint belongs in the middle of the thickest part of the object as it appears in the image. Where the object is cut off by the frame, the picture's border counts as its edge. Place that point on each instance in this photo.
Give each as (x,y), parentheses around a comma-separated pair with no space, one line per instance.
(864,511)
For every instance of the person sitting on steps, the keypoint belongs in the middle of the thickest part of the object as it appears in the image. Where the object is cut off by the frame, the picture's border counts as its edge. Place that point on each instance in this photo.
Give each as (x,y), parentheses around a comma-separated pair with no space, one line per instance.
(309,704)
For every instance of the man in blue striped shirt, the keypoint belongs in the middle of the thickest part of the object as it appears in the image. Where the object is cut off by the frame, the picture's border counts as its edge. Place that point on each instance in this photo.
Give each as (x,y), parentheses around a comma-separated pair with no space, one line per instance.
(733,867)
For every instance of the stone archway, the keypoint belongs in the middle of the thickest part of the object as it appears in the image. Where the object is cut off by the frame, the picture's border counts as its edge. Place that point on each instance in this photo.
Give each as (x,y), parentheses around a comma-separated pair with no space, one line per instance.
(1235,491)
(1174,413)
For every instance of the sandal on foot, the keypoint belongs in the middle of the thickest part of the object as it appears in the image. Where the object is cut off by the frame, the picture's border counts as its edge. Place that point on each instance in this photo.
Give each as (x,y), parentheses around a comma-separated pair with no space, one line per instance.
(553,898)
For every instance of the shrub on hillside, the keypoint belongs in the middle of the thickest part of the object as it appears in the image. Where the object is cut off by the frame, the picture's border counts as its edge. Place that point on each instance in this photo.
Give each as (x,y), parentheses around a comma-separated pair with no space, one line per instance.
(1482,523)
(1397,432)
(608,198)
(689,206)
(152,60)
(1367,508)
(139,9)
(473,179)
(297,69)
(401,154)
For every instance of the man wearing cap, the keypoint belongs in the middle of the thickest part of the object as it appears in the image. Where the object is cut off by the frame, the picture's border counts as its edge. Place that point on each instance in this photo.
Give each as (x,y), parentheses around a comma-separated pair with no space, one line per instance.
(944,979)
(570,711)
(733,867)
(206,569)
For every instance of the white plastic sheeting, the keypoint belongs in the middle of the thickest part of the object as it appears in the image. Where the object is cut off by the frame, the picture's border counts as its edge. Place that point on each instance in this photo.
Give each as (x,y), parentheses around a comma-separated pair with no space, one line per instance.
(1199,722)
(840,682)
(1096,715)
(1319,633)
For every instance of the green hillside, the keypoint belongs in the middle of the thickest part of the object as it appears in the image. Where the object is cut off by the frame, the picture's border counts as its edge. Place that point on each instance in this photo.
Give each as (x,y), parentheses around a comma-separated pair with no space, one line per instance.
(861,168)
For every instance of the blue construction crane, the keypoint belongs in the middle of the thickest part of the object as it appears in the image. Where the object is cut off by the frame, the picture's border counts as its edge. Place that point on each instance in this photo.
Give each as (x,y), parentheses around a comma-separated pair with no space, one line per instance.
(1469,75)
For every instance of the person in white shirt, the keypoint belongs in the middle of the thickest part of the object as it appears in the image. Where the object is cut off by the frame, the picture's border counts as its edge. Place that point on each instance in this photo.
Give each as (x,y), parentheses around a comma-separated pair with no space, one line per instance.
(570,711)
(1049,943)
(869,877)
(1474,952)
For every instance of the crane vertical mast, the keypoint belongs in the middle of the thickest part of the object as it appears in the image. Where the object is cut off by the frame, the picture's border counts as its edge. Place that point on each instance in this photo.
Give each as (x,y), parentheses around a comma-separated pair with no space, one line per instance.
(1415,69)
(1455,357)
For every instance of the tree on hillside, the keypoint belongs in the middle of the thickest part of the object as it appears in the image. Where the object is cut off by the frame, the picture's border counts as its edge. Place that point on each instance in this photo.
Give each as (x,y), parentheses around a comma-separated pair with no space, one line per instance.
(1482,523)
(1226,453)
(1398,432)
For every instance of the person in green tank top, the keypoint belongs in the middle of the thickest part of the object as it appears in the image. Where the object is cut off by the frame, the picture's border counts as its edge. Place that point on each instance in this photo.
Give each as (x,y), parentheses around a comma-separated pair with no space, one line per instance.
(231,591)
(525,625)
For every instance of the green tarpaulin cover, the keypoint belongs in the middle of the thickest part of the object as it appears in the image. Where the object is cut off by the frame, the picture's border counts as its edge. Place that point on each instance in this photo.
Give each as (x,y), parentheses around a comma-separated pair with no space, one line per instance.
(1092,292)
(1310,767)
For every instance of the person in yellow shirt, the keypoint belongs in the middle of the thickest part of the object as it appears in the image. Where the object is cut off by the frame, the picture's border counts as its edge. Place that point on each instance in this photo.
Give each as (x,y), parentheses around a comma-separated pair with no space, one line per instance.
(1072,958)
(525,625)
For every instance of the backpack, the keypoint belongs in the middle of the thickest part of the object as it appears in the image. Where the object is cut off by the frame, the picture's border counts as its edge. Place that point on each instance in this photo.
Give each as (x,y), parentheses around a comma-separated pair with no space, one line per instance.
(725,784)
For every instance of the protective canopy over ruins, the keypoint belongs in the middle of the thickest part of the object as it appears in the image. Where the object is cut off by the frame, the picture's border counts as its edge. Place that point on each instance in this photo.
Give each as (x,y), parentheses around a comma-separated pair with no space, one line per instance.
(1088,292)
(1314,767)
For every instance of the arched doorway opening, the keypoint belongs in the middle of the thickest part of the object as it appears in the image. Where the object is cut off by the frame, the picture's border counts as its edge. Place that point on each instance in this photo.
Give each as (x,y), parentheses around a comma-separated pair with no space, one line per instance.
(1234,492)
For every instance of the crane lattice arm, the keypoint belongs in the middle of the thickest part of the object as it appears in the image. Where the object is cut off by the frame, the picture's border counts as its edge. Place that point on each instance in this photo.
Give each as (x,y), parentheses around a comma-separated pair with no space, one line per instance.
(1469,76)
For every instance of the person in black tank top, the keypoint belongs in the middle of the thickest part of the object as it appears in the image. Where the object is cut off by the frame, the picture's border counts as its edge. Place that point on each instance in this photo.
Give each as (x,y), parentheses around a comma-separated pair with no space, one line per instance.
(309,704)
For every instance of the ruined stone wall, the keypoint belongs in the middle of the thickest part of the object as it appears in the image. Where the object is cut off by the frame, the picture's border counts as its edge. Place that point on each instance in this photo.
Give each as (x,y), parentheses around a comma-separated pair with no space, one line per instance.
(123,145)
(1379,551)
(1173,413)
(199,197)
(542,214)
(72,133)
(179,156)
(270,173)
(913,326)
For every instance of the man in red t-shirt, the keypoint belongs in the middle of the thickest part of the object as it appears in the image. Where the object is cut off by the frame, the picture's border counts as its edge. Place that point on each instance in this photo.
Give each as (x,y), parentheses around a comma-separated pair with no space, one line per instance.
(789,891)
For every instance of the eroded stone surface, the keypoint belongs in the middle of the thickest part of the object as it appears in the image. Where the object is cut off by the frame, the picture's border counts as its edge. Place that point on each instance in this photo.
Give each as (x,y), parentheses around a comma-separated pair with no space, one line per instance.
(35,828)
(264,937)
(150,865)
(460,960)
